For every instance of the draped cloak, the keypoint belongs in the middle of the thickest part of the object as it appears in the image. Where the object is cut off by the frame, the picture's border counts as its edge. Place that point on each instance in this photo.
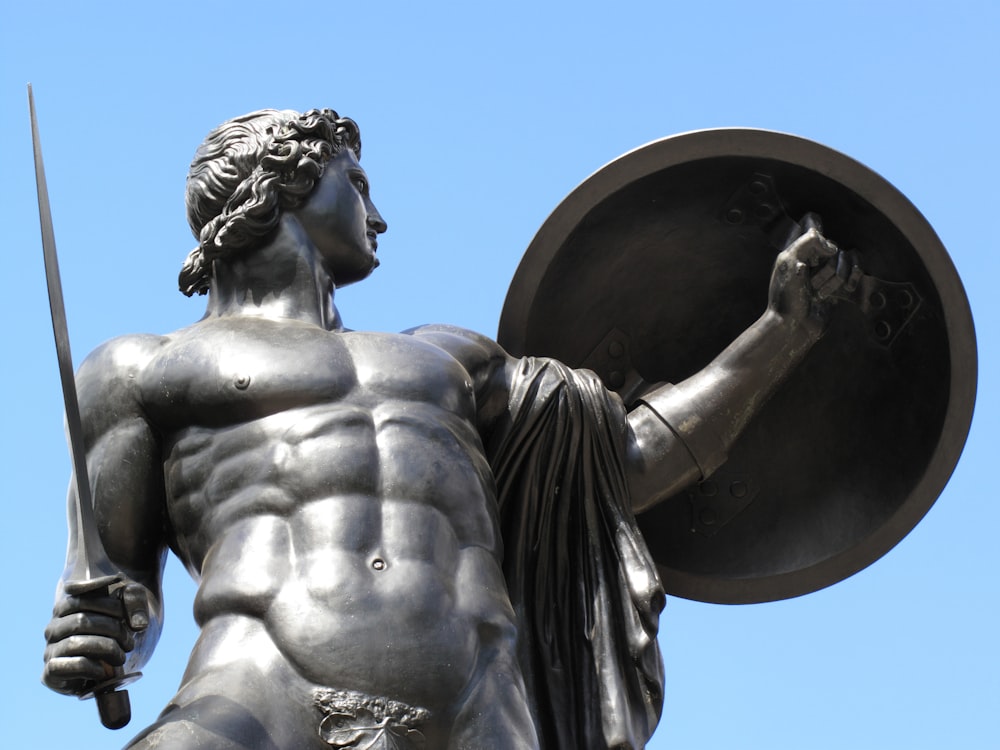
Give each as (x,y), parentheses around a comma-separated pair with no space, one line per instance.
(582,583)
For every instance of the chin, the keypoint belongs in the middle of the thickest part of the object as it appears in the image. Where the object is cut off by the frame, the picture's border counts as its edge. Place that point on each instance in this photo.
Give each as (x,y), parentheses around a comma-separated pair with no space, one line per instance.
(346,279)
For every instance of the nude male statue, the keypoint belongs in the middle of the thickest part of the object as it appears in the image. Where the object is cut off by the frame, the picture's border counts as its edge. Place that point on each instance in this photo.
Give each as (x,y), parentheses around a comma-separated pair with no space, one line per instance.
(332,490)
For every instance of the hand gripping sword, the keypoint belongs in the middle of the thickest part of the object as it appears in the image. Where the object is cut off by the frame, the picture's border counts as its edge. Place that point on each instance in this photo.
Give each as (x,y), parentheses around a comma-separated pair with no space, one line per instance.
(92,571)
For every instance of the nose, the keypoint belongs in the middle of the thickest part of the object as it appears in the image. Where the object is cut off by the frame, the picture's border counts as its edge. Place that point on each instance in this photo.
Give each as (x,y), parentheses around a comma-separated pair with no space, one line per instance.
(375,220)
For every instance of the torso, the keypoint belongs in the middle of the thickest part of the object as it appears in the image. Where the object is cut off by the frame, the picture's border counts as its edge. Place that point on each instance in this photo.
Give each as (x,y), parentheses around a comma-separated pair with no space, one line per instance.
(333,486)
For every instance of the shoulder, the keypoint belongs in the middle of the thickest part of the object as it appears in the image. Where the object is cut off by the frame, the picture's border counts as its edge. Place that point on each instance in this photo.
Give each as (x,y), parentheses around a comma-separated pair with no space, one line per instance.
(125,354)
(108,382)
(483,358)
(468,347)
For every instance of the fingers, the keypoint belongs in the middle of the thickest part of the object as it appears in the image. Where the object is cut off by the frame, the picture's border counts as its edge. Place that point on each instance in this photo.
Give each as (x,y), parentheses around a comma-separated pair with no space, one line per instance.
(136,606)
(840,273)
(87,624)
(91,634)
(102,605)
(86,648)
(74,663)
(83,648)
(130,602)
(826,280)
(810,275)
(75,675)
(812,248)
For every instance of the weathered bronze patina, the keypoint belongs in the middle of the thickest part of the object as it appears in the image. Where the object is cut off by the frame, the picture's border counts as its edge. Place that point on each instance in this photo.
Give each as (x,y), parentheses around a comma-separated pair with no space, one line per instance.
(405,540)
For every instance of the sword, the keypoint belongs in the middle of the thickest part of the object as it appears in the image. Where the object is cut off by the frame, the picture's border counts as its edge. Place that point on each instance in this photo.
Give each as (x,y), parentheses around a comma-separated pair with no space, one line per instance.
(92,571)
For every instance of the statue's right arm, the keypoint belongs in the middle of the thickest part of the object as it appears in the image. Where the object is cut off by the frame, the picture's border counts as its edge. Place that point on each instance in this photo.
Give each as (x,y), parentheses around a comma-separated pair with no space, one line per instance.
(90,631)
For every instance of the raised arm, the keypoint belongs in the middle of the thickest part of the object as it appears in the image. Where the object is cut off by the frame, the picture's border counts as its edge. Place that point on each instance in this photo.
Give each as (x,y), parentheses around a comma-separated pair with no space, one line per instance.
(680,434)
(91,632)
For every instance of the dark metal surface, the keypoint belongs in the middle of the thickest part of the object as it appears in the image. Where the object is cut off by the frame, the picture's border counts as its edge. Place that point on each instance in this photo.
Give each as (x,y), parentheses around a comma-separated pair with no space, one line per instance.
(92,572)
(657,261)
(331,491)
(415,539)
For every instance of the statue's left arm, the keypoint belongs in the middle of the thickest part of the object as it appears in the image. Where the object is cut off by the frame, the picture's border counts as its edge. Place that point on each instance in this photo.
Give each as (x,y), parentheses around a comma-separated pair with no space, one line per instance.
(679,434)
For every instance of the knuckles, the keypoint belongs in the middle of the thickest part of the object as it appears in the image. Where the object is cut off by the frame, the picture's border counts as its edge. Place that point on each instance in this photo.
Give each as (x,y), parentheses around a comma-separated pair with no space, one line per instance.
(72,675)
(82,624)
(82,644)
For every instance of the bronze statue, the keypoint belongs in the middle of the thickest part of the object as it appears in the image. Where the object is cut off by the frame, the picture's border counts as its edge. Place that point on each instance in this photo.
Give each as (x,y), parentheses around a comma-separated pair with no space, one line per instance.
(404,540)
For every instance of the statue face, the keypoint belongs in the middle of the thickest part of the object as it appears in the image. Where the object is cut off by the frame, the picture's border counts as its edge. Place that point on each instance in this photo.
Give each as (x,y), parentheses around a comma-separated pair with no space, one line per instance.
(341,221)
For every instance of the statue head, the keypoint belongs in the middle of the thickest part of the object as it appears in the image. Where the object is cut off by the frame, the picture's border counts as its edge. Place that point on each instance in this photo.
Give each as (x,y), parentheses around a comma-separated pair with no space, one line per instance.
(249,170)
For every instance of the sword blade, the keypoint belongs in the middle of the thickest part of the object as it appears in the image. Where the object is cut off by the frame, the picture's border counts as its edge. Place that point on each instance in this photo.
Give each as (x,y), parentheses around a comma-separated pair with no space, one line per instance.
(92,571)
(64,356)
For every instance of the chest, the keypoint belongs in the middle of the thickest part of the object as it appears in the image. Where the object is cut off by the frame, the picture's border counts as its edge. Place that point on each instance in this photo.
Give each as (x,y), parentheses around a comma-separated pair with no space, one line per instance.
(223,374)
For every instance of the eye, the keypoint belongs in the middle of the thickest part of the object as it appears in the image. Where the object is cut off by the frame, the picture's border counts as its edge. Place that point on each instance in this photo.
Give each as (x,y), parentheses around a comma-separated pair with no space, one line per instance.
(361,184)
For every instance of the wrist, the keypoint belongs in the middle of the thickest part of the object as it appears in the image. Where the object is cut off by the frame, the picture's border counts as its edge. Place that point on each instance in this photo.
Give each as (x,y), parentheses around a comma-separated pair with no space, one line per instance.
(798,333)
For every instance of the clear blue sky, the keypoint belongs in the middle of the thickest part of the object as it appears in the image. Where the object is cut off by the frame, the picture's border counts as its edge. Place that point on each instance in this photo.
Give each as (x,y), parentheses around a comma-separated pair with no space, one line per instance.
(477,120)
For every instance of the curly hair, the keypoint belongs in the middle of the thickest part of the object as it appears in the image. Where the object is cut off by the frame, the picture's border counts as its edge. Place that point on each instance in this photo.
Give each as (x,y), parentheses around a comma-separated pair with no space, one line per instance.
(249,170)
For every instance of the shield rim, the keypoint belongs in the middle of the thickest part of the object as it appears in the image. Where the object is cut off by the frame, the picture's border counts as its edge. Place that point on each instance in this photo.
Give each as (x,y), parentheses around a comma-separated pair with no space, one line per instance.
(698,145)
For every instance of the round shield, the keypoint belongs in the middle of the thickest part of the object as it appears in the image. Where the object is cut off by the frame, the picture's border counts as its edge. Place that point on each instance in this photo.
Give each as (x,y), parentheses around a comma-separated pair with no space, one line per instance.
(659,260)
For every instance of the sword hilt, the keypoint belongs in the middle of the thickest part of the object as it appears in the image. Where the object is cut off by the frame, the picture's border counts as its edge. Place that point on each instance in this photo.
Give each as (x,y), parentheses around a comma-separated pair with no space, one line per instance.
(113,705)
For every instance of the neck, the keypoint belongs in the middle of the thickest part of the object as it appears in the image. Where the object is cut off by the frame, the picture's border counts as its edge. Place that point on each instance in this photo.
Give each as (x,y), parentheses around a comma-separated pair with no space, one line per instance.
(282,279)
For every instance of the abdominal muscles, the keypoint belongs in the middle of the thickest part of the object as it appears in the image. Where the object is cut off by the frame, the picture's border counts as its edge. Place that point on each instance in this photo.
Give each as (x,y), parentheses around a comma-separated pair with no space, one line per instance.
(389,586)
(397,632)
(402,612)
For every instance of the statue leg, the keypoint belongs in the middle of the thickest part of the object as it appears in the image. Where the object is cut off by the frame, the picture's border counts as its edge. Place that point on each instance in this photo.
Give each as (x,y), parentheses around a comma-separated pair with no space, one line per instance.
(494,714)
(235,711)
(212,723)
(238,693)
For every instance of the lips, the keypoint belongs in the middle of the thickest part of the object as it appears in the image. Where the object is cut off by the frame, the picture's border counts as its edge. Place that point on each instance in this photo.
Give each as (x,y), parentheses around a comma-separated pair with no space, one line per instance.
(373,240)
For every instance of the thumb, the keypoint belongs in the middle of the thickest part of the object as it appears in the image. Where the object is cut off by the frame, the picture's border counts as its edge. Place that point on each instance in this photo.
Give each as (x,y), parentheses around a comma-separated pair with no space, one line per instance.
(136,606)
